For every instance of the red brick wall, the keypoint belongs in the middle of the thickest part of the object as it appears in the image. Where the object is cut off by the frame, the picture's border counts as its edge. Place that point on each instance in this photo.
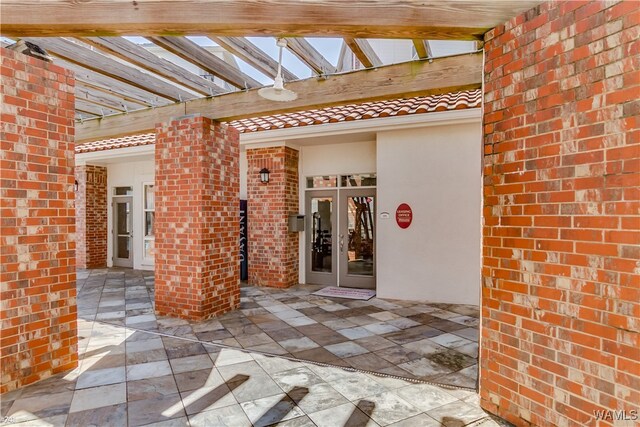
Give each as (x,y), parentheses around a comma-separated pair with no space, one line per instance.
(273,251)
(91,216)
(197,228)
(561,291)
(37,248)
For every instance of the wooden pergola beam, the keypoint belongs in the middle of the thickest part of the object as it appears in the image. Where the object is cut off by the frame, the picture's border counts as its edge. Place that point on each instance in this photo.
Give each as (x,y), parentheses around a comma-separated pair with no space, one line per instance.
(103,99)
(131,52)
(109,86)
(310,56)
(199,56)
(252,55)
(441,19)
(87,58)
(363,51)
(94,109)
(423,49)
(407,79)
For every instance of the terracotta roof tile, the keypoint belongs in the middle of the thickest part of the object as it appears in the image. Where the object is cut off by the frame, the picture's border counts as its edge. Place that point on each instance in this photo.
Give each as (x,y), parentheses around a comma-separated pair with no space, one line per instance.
(112,144)
(365,111)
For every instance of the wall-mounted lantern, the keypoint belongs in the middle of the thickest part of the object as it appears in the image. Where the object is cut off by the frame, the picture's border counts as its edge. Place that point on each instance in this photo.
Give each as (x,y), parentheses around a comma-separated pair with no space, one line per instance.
(75,186)
(264,175)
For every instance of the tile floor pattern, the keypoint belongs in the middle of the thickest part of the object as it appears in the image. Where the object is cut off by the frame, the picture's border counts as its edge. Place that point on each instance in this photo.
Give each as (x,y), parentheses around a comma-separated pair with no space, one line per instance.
(136,369)
(435,342)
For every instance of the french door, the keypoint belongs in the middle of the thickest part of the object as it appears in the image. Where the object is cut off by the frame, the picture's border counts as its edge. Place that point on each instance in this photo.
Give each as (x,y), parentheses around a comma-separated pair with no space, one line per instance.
(321,267)
(356,253)
(340,237)
(123,231)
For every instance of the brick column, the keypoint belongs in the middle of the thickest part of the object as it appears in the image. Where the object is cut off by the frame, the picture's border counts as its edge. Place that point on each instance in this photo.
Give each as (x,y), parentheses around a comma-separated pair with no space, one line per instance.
(91,216)
(37,248)
(197,224)
(561,292)
(273,251)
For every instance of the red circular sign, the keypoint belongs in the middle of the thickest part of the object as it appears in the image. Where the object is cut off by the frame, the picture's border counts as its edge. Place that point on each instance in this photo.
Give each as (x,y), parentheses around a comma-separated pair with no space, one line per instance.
(404,215)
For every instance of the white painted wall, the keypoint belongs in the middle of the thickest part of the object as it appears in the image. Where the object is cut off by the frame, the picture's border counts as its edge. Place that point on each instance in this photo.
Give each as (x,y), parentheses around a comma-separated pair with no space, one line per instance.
(437,171)
(392,51)
(133,174)
(331,159)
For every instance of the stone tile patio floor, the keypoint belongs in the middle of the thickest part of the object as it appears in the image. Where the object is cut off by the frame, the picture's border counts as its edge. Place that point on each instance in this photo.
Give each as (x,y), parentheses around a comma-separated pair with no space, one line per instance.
(414,340)
(136,369)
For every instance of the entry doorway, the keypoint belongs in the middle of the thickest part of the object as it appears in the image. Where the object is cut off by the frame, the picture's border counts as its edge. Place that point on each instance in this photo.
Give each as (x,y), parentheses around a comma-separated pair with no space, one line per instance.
(123,231)
(321,237)
(340,237)
(356,254)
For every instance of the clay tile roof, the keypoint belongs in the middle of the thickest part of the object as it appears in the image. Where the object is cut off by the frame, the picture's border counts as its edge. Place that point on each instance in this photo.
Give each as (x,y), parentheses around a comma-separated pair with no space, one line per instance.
(111,144)
(364,111)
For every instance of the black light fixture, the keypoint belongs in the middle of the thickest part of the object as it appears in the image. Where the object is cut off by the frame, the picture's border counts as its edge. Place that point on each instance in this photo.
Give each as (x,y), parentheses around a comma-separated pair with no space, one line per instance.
(75,186)
(264,175)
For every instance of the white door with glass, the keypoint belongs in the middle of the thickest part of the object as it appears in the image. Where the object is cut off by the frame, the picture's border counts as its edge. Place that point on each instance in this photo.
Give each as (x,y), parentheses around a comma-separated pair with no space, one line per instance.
(123,231)
(321,237)
(356,252)
(340,230)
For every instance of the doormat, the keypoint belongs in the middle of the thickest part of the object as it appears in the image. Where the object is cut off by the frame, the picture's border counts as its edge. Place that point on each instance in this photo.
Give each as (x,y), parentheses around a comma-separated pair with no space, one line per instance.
(349,293)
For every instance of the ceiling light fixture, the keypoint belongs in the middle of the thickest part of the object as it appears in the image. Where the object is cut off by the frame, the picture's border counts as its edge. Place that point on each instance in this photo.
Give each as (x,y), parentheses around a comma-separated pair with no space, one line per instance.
(277,92)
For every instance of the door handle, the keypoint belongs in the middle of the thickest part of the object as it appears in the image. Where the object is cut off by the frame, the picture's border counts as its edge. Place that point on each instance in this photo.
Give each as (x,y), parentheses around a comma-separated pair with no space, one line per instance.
(341,242)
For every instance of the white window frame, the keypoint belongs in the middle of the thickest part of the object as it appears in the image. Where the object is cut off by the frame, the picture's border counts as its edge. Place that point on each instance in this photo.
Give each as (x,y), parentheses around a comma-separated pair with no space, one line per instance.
(145,209)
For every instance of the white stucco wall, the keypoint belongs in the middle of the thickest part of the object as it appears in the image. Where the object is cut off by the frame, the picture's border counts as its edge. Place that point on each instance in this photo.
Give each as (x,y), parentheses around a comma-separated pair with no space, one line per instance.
(333,159)
(437,171)
(133,174)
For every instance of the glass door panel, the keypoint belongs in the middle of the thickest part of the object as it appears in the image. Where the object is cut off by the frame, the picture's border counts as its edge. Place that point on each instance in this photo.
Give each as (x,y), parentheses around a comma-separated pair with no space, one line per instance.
(357,238)
(320,237)
(360,214)
(123,232)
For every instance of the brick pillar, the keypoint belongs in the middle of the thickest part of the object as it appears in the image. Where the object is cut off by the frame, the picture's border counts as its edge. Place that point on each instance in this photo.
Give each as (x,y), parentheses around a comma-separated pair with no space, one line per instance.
(273,251)
(37,248)
(561,290)
(197,224)
(91,216)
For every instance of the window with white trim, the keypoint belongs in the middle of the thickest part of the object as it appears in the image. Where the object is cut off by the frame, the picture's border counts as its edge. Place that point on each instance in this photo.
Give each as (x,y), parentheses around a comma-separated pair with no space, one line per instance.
(149,207)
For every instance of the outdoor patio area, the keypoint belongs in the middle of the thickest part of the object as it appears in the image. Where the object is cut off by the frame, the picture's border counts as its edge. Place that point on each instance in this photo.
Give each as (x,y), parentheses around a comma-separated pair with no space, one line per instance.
(136,369)
(431,342)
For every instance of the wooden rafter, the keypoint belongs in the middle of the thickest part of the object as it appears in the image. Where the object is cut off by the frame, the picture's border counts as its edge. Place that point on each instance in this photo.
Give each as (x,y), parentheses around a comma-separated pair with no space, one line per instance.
(199,56)
(252,55)
(407,79)
(423,48)
(103,99)
(441,19)
(94,109)
(87,58)
(141,57)
(310,56)
(363,51)
(109,86)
